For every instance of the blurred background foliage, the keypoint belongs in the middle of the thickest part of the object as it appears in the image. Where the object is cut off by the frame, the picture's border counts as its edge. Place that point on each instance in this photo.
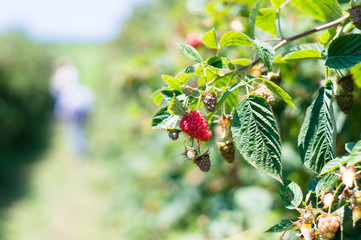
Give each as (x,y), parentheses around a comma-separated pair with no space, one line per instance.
(135,184)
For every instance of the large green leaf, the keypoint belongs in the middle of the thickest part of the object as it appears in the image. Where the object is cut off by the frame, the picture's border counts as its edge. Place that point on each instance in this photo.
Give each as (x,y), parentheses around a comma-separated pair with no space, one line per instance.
(282,225)
(235,38)
(164,120)
(264,51)
(356,71)
(175,107)
(190,52)
(344,52)
(210,39)
(333,164)
(280,92)
(266,20)
(302,55)
(317,138)
(253,17)
(323,10)
(291,194)
(172,82)
(277,3)
(355,156)
(256,135)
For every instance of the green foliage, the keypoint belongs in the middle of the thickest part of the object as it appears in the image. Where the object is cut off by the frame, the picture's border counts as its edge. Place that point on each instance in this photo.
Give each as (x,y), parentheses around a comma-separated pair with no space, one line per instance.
(326,182)
(328,36)
(323,10)
(266,20)
(280,92)
(265,51)
(344,52)
(190,52)
(282,225)
(291,194)
(355,156)
(164,120)
(316,140)
(256,136)
(302,55)
(210,39)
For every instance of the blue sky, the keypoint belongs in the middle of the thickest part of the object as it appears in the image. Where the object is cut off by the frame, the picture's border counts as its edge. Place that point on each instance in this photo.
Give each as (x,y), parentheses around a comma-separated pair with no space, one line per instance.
(66,20)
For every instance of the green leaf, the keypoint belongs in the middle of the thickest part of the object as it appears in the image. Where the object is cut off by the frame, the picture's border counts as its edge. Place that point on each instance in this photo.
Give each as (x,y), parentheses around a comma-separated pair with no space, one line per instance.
(253,17)
(164,120)
(266,20)
(242,61)
(291,194)
(333,164)
(175,107)
(223,98)
(314,46)
(317,138)
(280,92)
(356,71)
(323,10)
(264,51)
(344,52)
(189,69)
(277,3)
(172,82)
(256,136)
(302,55)
(158,98)
(326,182)
(190,52)
(327,36)
(218,62)
(235,38)
(355,156)
(282,225)
(210,39)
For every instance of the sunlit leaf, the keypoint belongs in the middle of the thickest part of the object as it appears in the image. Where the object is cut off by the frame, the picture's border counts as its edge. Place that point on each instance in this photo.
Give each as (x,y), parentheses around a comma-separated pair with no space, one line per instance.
(190,52)
(323,10)
(355,156)
(266,20)
(164,120)
(291,194)
(210,39)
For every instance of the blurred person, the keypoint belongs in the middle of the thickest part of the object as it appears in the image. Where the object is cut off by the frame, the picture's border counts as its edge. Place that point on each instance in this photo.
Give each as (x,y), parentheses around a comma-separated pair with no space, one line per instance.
(73,101)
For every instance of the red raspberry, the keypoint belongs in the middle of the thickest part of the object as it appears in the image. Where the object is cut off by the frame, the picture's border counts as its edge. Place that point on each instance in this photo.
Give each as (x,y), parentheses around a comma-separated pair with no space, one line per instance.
(195,125)
(328,225)
(194,40)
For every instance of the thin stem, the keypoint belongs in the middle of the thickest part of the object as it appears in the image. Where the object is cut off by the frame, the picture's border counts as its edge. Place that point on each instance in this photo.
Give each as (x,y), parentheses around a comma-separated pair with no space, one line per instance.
(334,195)
(284,4)
(279,22)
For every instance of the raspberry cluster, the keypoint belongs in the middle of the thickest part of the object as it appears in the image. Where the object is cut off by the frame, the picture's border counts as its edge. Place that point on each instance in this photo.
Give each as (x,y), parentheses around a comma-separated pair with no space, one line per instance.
(328,225)
(210,101)
(195,125)
(263,91)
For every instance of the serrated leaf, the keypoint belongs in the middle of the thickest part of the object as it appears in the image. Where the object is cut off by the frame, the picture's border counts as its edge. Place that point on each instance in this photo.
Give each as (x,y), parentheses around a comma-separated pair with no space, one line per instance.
(218,62)
(241,61)
(175,107)
(235,38)
(280,92)
(327,36)
(256,135)
(266,20)
(189,69)
(253,17)
(265,51)
(326,182)
(356,71)
(302,55)
(277,3)
(355,156)
(210,39)
(344,52)
(317,137)
(323,10)
(164,120)
(172,82)
(291,194)
(169,93)
(333,164)
(282,225)
(190,52)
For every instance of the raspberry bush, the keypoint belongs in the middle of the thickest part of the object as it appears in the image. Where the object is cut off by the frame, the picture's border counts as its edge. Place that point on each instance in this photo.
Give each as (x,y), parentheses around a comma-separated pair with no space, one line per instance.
(227,90)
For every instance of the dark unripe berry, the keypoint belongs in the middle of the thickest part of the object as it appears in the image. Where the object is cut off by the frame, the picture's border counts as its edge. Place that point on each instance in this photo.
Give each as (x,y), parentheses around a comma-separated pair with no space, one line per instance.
(173,134)
(210,101)
(345,102)
(346,83)
(227,151)
(355,14)
(203,162)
